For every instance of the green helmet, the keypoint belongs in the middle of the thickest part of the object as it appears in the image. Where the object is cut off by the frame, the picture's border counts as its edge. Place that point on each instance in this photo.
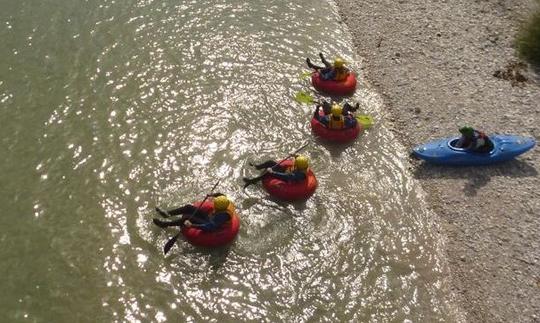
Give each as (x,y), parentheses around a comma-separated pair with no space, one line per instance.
(466,131)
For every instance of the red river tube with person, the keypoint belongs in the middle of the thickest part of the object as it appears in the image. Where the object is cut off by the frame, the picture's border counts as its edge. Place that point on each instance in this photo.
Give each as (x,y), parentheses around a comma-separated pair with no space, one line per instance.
(345,87)
(290,191)
(334,135)
(223,236)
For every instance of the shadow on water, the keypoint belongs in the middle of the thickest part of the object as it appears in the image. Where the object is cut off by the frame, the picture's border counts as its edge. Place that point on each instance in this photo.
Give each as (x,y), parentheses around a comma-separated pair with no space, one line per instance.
(334,149)
(477,176)
(216,257)
(267,200)
(274,203)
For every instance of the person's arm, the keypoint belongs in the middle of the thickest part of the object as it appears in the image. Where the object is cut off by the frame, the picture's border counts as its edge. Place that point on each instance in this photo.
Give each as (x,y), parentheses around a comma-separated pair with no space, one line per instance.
(293,176)
(325,120)
(316,112)
(346,108)
(321,118)
(349,108)
(327,107)
(214,222)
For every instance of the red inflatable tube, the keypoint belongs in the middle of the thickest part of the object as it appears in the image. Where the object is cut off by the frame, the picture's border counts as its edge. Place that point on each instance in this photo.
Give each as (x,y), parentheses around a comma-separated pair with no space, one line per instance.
(290,191)
(339,136)
(344,87)
(212,239)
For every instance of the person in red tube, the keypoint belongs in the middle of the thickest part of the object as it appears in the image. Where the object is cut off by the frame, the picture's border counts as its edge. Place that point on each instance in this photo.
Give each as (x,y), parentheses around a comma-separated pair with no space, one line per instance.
(201,220)
(296,173)
(330,72)
(336,120)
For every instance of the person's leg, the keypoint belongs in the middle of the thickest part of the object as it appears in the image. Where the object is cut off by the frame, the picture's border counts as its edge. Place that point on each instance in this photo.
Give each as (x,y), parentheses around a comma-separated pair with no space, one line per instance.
(325,62)
(164,224)
(265,165)
(279,168)
(186,209)
(199,217)
(311,65)
(162,212)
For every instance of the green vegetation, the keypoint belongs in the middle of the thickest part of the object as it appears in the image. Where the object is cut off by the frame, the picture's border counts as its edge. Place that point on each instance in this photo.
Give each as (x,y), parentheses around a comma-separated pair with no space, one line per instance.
(528,41)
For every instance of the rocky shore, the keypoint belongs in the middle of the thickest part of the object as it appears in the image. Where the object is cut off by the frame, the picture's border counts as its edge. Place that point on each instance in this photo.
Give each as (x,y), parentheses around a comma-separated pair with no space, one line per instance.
(443,64)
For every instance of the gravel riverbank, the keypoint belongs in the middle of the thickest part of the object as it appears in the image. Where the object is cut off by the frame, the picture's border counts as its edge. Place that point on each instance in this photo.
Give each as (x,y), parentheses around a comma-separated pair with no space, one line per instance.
(440,65)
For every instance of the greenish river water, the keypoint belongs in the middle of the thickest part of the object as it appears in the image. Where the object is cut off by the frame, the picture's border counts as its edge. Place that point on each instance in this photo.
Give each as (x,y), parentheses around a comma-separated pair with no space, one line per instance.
(109,108)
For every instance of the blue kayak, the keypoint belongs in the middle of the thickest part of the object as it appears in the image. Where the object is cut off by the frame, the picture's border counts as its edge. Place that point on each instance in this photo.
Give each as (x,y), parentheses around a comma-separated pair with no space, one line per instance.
(443,152)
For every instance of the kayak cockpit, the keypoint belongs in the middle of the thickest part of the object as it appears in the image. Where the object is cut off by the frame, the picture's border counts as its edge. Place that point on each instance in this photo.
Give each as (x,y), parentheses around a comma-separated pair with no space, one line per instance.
(453,142)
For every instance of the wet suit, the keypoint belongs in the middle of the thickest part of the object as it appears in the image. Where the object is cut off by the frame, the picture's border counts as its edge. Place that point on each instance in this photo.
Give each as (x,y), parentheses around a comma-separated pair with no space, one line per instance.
(279,171)
(202,220)
(328,72)
(479,142)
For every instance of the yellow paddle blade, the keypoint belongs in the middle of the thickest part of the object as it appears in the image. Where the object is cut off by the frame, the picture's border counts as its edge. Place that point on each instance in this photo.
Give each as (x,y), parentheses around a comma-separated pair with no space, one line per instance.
(365,120)
(303,97)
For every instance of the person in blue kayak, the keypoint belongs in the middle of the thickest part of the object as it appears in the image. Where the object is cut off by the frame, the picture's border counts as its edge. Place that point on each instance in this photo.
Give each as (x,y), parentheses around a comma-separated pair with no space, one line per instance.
(201,220)
(336,119)
(296,173)
(335,72)
(474,140)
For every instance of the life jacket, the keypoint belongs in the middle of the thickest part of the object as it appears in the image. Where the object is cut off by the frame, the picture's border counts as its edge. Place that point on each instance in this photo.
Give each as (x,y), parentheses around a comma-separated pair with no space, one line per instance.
(341,74)
(336,123)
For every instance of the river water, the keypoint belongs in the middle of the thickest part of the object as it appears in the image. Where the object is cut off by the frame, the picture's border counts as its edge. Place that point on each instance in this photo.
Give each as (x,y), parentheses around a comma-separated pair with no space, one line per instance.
(109,108)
